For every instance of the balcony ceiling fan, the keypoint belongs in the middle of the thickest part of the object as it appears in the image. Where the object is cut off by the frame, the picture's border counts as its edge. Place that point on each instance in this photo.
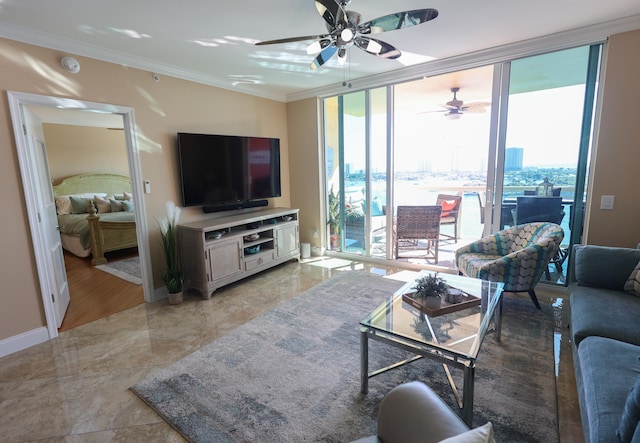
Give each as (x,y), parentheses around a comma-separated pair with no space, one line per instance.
(345,30)
(455,108)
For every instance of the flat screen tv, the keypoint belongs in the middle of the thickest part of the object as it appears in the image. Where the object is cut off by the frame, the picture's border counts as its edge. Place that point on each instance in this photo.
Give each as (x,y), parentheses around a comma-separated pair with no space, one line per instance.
(222,172)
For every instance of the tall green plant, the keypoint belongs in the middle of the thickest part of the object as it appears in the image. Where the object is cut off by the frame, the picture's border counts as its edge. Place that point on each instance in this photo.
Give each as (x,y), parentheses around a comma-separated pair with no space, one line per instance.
(334,212)
(173,276)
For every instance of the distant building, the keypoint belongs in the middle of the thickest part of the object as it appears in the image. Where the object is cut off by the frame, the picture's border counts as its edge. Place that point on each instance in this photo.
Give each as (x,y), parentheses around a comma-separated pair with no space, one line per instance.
(513,159)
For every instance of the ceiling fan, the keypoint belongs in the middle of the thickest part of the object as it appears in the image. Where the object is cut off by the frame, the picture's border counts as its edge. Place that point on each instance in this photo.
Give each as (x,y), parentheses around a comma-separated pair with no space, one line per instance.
(345,30)
(455,108)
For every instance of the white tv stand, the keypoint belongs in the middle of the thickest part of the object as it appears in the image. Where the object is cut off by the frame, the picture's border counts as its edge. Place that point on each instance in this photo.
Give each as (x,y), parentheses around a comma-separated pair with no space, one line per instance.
(219,251)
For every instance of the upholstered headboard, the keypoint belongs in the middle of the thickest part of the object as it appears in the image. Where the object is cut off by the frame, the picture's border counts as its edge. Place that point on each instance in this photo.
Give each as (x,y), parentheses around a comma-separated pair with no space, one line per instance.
(96,183)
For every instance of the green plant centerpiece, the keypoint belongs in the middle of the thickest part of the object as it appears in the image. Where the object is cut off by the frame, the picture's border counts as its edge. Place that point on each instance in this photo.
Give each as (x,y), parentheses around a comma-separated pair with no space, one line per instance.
(430,290)
(173,277)
(430,286)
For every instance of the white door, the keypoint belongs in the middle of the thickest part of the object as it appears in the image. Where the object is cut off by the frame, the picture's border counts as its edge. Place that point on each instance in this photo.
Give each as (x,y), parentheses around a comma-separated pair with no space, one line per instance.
(52,244)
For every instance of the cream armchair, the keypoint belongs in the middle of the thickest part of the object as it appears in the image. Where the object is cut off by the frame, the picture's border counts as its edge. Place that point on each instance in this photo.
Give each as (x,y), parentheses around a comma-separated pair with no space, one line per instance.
(516,256)
(413,413)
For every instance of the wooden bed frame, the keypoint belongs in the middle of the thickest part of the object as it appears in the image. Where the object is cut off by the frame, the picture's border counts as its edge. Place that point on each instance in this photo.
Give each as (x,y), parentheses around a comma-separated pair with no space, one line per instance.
(105,236)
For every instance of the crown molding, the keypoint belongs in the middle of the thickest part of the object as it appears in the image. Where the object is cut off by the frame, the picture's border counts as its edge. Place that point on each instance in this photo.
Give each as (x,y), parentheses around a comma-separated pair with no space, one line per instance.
(46,40)
(563,40)
(553,42)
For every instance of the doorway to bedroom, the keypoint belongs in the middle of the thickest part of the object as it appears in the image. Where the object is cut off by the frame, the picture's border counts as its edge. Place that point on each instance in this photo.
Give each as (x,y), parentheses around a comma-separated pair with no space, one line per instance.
(47,154)
(88,153)
(78,144)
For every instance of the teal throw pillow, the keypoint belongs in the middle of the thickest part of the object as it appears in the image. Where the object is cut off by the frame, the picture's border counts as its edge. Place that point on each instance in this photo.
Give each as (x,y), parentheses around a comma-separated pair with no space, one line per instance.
(376,208)
(127,205)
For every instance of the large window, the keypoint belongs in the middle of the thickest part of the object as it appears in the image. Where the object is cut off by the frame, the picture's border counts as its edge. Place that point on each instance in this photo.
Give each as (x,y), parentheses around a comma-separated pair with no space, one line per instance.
(488,135)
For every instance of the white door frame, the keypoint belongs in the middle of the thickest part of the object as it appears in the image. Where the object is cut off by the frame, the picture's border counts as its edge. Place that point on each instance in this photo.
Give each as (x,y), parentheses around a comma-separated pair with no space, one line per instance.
(17,102)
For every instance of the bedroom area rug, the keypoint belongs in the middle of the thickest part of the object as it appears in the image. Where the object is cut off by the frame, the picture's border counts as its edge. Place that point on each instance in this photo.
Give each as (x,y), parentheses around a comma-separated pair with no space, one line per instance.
(293,374)
(127,269)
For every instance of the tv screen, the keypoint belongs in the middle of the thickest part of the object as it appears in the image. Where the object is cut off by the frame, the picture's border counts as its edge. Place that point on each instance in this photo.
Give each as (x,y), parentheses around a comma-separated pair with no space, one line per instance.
(217,170)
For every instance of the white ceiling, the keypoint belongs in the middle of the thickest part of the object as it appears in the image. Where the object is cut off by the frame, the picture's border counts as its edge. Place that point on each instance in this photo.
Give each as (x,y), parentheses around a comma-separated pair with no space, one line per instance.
(212,42)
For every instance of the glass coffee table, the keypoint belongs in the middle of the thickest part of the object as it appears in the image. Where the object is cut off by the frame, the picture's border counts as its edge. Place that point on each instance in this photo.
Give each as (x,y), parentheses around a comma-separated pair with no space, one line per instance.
(452,336)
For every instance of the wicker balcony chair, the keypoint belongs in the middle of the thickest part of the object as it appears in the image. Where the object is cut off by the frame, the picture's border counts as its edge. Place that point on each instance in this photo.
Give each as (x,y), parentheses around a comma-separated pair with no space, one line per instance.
(516,256)
(451,205)
(415,223)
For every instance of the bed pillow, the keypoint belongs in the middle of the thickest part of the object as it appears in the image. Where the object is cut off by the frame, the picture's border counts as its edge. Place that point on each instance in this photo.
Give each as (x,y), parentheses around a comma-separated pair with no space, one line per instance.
(79,205)
(127,196)
(127,205)
(116,205)
(63,205)
(102,204)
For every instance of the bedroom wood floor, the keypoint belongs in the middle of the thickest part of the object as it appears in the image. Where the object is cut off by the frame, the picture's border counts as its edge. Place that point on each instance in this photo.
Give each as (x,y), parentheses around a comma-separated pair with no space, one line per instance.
(96,294)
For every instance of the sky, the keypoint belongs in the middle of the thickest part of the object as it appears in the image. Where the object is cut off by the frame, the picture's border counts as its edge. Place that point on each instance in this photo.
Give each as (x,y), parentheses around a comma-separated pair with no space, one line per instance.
(545,123)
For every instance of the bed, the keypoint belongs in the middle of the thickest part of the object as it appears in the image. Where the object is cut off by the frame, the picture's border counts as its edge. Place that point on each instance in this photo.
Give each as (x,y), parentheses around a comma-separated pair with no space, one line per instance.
(95,215)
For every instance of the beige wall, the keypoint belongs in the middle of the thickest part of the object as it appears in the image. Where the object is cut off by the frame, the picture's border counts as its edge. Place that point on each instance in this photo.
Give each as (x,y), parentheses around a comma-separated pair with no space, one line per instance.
(306,179)
(161,110)
(73,150)
(618,148)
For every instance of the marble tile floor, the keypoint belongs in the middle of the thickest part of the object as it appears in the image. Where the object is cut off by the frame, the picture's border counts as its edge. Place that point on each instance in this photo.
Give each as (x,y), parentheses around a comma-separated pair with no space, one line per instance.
(75,388)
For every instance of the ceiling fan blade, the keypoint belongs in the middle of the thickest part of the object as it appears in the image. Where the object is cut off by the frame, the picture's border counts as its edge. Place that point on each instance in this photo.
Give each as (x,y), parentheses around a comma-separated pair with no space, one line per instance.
(476,107)
(292,39)
(324,56)
(398,20)
(331,12)
(377,47)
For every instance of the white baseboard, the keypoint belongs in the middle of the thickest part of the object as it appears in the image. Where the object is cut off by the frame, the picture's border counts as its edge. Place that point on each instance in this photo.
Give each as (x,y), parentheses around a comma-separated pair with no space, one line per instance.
(23,341)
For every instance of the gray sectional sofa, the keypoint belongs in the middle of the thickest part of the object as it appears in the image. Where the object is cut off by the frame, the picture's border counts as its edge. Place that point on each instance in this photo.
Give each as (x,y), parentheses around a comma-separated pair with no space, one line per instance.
(605,331)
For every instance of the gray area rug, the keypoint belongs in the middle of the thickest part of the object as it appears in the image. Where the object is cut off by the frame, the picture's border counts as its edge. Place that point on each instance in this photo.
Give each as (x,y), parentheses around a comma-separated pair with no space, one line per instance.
(127,269)
(292,375)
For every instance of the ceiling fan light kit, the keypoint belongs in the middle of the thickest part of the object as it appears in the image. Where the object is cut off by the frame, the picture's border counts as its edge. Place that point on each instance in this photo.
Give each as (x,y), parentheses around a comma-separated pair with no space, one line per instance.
(345,30)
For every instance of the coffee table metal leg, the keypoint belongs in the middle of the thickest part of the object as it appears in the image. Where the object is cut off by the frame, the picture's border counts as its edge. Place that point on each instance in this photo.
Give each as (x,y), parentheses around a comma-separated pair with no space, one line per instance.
(364,360)
(467,395)
(497,318)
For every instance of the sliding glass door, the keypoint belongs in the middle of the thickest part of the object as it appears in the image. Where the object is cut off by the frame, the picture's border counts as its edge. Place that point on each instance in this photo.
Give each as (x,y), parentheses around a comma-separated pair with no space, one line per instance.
(356,167)
(441,141)
(486,136)
(548,127)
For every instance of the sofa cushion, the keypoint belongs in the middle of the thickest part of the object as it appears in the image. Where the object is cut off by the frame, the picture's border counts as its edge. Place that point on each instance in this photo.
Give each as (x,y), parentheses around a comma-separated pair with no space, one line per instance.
(604,267)
(609,368)
(604,313)
(633,282)
(631,414)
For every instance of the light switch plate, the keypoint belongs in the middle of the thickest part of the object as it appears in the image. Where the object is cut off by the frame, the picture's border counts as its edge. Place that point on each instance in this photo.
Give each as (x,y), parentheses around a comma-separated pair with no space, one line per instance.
(606,202)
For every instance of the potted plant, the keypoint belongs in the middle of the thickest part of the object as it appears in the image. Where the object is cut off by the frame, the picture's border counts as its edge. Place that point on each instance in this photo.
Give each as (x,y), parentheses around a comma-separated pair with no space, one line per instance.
(173,277)
(430,289)
(334,220)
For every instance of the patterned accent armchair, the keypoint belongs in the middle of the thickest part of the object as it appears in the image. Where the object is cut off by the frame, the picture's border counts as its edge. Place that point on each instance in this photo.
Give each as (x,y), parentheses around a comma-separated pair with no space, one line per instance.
(516,256)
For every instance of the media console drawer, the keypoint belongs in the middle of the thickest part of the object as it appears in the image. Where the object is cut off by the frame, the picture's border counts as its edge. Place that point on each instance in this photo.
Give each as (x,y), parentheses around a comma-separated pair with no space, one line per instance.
(259,260)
